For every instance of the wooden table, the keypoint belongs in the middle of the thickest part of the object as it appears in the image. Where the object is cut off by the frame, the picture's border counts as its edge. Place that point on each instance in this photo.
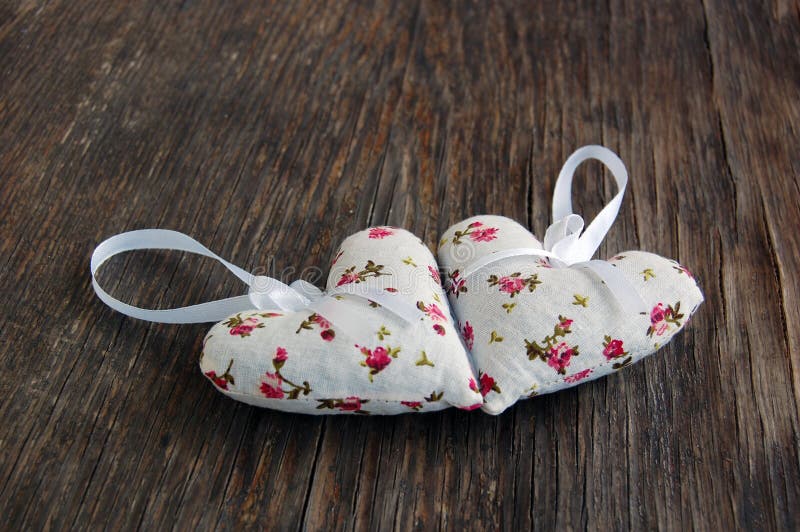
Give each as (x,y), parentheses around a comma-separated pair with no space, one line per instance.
(272,132)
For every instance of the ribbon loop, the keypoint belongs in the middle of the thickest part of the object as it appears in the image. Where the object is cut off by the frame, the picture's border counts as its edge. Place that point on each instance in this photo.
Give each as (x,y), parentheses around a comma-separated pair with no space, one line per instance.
(567,244)
(172,240)
(264,293)
(583,247)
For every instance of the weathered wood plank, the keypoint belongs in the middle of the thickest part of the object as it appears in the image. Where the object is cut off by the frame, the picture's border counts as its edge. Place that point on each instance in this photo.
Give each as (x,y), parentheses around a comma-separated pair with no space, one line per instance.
(270,132)
(756,82)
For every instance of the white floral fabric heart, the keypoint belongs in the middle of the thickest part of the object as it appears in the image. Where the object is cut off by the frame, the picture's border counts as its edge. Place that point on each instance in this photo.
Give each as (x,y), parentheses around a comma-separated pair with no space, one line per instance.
(540,318)
(300,361)
(535,329)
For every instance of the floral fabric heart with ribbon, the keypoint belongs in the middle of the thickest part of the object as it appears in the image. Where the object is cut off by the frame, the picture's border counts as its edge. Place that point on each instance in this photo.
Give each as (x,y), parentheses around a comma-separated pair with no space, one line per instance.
(539,317)
(380,340)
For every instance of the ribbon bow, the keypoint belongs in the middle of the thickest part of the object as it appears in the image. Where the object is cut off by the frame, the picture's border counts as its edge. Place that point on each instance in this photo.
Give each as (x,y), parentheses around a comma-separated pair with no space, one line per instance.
(567,244)
(264,293)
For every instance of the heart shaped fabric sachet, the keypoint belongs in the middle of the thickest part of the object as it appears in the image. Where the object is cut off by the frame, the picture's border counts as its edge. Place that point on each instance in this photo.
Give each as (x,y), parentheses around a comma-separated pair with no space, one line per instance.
(539,318)
(380,340)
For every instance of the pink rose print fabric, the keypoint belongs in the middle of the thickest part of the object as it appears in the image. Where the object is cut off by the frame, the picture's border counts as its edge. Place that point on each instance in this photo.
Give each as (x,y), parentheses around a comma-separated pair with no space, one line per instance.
(272,386)
(432,310)
(315,320)
(577,377)
(305,362)
(243,327)
(221,381)
(379,232)
(553,349)
(476,232)
(468,334)
(273,383)
(663,317)
(377,359)
(533,327)
(435,274)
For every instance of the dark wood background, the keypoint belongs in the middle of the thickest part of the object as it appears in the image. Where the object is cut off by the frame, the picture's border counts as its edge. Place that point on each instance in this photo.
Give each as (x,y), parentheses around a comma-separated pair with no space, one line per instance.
(271,132)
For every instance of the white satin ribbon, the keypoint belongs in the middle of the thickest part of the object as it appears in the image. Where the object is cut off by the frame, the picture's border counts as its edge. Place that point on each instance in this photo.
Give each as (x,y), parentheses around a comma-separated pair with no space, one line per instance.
(265,293)
(567,244)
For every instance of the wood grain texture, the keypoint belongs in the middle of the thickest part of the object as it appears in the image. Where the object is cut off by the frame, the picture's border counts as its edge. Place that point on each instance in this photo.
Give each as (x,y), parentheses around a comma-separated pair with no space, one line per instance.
(270,132)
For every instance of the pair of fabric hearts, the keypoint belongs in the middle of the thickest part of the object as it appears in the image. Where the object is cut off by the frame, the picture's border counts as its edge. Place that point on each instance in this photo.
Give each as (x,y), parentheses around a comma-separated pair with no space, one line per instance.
(505,317)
